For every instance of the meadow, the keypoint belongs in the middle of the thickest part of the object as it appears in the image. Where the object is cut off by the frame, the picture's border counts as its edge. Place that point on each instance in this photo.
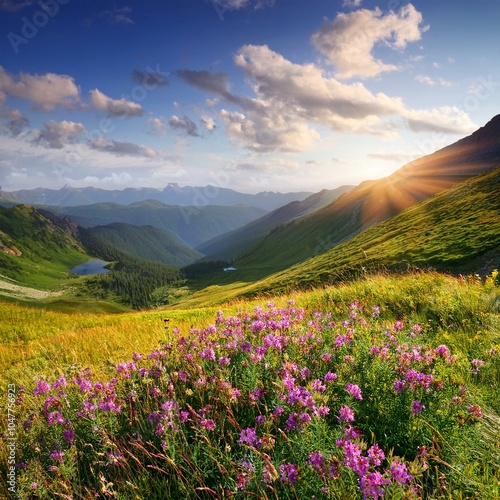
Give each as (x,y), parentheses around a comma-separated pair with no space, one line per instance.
(384,387)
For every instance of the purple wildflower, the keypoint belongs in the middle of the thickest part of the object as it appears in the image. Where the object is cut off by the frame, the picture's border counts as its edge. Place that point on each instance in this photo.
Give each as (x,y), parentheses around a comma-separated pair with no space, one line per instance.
(41,388)
(417,407)
(289,473)
(346,414)
(354,390)
(400,472)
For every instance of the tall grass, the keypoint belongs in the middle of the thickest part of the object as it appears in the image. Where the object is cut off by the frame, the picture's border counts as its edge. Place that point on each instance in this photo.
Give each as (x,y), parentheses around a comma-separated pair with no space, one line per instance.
(387,386)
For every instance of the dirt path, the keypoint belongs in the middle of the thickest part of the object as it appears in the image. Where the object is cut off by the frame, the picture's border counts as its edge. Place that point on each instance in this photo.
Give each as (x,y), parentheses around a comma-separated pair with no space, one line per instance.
(23,292)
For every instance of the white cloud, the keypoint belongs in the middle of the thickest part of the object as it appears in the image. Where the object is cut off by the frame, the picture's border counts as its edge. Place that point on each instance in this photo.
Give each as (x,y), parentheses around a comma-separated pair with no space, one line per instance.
(349,40)
(114,107)
(157,125)
(56,134)
(46,91)
(351,3)
(427,80)
(208,123)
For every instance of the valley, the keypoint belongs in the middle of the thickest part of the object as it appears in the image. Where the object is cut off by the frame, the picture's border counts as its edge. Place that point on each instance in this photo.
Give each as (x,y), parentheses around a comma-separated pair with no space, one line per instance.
(375,306)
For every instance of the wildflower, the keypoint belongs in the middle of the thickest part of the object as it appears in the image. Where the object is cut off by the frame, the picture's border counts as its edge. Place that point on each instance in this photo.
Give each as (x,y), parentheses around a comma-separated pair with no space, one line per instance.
(278,411)
(398,326)
(208,424)
(292,421)
(475,411)
(288,473)
(417,407)
(34,486)
(375,455)
(60,382)
(249,436)
(400,472)
(354,390)
(316,461)
(325,357)
(41,388)
(305,418)
(399,386)
(69,435)
(346,414)
(330,377)
(375,312)
(476,364)
(57,455)
(372,485)
(318,386)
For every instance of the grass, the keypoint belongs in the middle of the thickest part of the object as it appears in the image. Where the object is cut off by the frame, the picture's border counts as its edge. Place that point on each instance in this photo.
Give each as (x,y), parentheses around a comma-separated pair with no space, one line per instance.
(232,404)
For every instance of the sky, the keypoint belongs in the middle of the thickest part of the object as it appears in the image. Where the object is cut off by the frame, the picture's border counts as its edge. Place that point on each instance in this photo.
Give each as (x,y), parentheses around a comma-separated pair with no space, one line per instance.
(252,95)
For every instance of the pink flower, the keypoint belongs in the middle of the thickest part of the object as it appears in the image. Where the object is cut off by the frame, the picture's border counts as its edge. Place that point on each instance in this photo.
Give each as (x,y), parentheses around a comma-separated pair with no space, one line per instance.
(208,424)
(354,390)
(346,414)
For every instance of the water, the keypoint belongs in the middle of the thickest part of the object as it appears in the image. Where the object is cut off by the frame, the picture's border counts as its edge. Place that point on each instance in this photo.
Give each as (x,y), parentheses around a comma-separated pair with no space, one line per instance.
(91,267)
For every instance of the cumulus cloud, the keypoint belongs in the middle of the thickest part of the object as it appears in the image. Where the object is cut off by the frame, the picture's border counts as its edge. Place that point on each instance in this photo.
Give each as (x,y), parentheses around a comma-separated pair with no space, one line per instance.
(184,124)
(57,134)
(292,100)
(349,40)
(114,107)
(208,123)
(46,92)
(157,125)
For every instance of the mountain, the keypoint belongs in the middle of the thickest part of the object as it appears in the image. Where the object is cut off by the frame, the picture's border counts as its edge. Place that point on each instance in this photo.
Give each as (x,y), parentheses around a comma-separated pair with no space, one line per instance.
(192,225)
(232,244)
(33,250)
(172,194)
(146,242)
(456,230)
(374,201)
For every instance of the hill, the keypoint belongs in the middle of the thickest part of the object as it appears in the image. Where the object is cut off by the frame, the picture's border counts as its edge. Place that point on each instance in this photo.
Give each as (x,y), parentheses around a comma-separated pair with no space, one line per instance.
(172,194)
(33,250)
(192,225)
(374,201)
(457,230)
(232,244)
(146,242)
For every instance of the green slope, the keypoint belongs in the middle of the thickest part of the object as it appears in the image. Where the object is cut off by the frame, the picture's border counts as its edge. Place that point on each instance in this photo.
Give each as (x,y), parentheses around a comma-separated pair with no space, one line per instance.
(40,253)
(147,242)
(456,230)
(374,201)
(192,225)
(234,243)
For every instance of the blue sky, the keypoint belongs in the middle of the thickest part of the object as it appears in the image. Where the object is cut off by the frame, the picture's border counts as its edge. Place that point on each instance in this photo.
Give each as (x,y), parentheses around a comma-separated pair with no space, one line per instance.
(253,95)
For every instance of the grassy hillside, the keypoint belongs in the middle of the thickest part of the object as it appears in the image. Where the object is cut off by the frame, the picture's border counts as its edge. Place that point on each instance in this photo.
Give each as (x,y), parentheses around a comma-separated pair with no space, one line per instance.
(374,201)
(192,225)
(46,252)
(383,385)
(457,230)
(230,245)
(146,242)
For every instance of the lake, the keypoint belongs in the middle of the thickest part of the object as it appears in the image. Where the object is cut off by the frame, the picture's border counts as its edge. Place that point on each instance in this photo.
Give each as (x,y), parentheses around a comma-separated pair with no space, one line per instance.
(91,267)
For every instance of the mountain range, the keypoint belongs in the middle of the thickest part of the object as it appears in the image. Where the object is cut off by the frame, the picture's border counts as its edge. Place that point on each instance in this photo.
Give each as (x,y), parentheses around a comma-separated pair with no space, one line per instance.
(172,194)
